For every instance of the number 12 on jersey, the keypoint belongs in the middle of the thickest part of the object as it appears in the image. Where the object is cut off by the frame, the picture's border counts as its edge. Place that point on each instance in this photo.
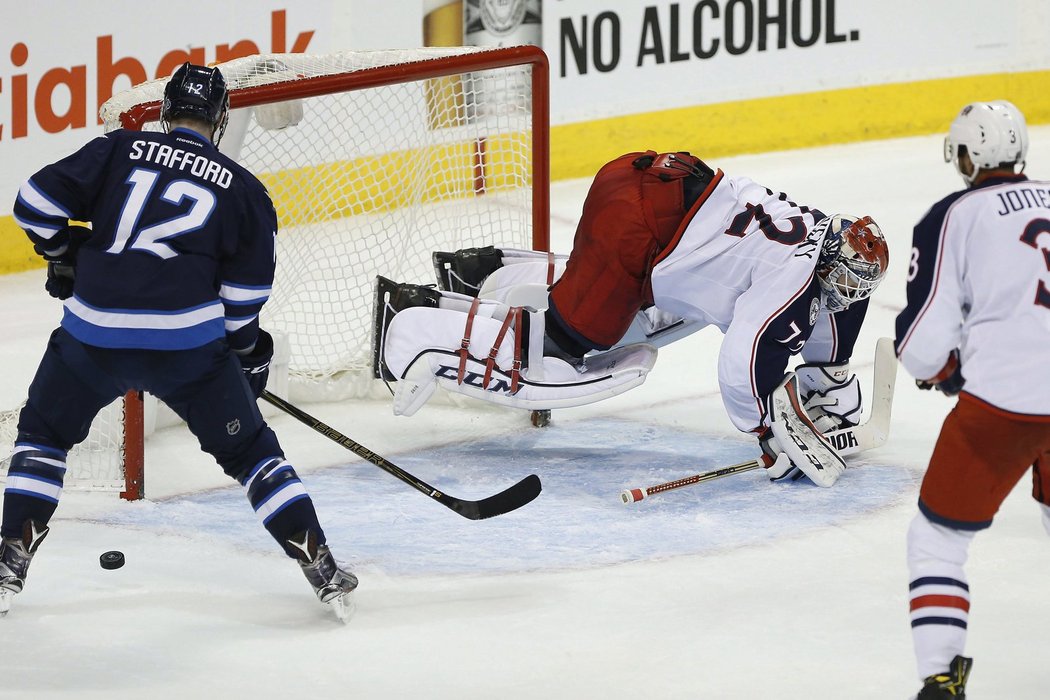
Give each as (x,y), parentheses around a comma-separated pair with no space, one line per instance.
(142,198)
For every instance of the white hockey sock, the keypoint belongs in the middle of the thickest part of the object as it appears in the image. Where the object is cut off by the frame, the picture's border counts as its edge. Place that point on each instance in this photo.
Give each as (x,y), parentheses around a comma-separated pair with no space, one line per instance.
(939,593)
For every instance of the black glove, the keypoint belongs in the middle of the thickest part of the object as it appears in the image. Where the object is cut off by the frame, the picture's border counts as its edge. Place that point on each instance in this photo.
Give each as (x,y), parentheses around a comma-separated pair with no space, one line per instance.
(256,364)
(60,275)
(952,384)
(61,268)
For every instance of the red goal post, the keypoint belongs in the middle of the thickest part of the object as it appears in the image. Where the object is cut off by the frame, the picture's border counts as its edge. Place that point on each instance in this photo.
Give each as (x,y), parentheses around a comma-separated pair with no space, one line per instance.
(373,159)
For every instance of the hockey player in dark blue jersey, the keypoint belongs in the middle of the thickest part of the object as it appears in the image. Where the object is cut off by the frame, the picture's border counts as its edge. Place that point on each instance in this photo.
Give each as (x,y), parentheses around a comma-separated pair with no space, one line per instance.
(161,294)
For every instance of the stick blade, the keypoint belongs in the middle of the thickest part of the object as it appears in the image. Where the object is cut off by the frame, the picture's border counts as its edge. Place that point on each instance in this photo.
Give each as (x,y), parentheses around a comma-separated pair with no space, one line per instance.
(521,493)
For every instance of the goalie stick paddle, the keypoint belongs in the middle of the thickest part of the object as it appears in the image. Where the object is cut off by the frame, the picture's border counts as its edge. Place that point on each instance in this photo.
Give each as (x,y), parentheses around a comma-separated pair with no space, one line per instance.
(503,502)
(868,435)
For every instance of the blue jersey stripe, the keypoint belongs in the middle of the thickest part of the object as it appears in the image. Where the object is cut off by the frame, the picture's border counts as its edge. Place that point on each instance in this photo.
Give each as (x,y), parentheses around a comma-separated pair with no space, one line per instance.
(144,338)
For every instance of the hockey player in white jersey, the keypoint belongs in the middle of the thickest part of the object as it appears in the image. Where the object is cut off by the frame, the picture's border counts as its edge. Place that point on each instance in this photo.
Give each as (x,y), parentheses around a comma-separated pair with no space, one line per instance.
(665,246)
(976,325)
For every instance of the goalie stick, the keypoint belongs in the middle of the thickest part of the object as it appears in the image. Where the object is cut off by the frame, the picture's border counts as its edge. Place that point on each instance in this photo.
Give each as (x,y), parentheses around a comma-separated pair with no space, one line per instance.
(868,435)
(503,502)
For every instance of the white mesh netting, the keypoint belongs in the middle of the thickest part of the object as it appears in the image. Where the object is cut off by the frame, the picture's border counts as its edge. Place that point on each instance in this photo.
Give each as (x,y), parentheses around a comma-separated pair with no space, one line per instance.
(373,161)
(96,463)
(372,181)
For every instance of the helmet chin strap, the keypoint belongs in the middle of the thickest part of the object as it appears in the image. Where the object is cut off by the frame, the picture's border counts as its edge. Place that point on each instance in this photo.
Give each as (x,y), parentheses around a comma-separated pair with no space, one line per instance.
(220,128)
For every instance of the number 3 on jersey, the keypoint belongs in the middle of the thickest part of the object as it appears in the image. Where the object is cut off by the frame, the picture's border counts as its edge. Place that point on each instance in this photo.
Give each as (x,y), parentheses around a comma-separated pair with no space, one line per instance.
(151,238)
(1031,233)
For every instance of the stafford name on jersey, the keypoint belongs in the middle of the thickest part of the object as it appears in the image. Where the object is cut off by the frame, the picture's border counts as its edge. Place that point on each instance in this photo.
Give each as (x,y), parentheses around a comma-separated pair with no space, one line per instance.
(178,159)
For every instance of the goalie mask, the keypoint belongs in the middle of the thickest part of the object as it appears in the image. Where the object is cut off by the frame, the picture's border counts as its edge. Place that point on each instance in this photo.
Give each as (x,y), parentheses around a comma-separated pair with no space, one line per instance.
(197,92)
(853,259)
(992,134)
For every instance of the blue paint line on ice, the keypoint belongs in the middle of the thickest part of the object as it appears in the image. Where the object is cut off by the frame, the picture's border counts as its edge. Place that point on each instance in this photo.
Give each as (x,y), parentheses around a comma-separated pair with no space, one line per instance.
(375,521)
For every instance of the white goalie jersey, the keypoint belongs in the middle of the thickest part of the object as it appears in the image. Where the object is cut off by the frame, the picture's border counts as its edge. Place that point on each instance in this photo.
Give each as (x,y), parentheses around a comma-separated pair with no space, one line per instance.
(744,260)
(743,237)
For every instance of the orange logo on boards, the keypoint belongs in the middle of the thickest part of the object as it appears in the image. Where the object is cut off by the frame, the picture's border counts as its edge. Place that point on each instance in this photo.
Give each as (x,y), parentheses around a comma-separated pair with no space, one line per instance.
(59,99)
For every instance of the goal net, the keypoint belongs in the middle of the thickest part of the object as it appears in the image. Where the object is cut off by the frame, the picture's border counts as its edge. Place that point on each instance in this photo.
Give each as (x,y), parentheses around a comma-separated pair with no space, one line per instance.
(373,159)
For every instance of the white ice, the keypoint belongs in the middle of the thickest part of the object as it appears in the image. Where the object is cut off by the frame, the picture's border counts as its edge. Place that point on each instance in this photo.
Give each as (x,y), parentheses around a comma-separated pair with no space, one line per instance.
(732,589)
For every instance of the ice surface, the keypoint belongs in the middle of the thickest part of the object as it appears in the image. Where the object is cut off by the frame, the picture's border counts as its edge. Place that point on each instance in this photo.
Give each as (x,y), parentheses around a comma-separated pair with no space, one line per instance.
(731,589)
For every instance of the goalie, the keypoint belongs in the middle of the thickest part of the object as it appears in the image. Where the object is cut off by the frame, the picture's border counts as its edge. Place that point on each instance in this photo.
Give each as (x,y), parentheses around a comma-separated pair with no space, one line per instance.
(665,246)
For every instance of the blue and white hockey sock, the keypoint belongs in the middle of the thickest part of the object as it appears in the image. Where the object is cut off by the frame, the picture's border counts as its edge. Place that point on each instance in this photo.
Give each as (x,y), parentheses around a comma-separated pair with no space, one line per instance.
(281,500)
(34,486)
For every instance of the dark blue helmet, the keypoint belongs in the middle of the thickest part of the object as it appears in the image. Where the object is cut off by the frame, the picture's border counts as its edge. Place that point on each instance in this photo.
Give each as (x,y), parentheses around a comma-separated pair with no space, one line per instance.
(200,93)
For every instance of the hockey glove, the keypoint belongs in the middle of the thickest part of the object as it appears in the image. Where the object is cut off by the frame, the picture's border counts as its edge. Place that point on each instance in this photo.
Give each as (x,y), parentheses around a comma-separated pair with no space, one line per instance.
(62,261)
(256,364)
(778,465)
(949,381)
(60,276)
(830,395)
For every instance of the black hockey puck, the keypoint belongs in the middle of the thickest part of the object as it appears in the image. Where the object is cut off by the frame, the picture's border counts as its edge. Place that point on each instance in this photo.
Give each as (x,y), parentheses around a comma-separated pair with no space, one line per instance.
(111,560)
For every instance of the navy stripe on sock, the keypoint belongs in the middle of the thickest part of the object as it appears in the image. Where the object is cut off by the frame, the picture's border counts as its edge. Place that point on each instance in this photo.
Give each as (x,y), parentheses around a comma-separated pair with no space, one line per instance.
(937,581)
(951,621)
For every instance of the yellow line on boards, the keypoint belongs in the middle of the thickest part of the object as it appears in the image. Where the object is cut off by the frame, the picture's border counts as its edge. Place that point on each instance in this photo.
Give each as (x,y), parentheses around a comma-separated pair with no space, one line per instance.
(793,121)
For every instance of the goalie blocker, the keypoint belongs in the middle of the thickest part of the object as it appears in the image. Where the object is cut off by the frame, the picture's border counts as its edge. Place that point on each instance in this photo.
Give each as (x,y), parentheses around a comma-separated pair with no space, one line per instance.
(488,350)
(799,438)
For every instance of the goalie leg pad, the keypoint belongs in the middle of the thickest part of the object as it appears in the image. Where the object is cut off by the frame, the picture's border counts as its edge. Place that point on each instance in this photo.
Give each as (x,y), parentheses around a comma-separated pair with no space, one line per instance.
(799,438)
(464,270)
(449,339)
(390,298)
(532,272)
(564,385)
(423,349)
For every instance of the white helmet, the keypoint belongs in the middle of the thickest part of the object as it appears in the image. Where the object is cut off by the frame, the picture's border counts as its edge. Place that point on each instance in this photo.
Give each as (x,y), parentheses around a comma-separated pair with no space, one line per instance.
(994,136)
(853,259)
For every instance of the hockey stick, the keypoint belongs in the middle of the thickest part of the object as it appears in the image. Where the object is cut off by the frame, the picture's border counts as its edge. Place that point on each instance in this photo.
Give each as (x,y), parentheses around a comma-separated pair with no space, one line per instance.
(870,434)
(503,502)
(635,495)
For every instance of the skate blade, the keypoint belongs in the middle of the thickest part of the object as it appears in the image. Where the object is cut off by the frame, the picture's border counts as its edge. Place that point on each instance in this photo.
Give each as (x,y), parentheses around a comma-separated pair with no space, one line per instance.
(344,606)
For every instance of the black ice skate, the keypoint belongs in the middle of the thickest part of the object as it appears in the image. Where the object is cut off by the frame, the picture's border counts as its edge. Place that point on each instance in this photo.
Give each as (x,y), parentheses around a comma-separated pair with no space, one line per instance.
(390,298)
(15,555)
(465,270)
(950,685)
(332,585)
